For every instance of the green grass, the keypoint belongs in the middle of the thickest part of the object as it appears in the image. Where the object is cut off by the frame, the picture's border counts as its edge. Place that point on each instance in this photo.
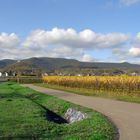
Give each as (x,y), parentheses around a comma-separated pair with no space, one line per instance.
(23,116)
(89,92)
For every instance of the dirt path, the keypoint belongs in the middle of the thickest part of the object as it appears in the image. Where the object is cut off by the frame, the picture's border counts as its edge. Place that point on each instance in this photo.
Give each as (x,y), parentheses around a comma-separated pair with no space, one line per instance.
(125,115)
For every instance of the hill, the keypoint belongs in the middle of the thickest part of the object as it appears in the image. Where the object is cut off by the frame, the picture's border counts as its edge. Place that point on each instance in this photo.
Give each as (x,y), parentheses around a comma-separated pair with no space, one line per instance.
(62,65)
(6,62)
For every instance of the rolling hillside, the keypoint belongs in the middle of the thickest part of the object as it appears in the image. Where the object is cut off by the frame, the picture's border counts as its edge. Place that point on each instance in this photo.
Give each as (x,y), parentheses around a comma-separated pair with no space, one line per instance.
(6,62)
(65,65)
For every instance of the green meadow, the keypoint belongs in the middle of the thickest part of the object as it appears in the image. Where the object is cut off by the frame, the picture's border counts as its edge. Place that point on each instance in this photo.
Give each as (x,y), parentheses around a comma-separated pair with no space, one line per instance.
(27,114)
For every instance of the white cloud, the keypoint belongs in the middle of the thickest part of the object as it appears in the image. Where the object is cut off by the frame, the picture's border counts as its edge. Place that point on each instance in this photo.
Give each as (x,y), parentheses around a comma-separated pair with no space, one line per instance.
(65,51)
(138,37)
(87,58)
(68,43)
(8,40)
(129,2)
(69,37)
(135,52)
(9,44)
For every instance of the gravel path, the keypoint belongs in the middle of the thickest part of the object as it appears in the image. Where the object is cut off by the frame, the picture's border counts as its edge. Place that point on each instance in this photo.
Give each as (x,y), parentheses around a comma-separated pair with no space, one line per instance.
(125,115)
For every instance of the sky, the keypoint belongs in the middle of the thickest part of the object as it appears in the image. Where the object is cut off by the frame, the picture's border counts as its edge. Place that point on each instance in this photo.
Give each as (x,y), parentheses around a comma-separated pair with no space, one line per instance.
(86,30)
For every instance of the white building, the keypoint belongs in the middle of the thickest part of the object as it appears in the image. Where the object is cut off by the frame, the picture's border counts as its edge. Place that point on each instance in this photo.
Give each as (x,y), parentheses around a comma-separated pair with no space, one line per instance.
(6,74)
(0,74)
(79,74)
(133,74)
(45,74)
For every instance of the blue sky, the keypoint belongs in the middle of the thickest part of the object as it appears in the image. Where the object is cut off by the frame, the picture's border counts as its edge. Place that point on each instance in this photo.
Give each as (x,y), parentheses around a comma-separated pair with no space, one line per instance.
(111,25)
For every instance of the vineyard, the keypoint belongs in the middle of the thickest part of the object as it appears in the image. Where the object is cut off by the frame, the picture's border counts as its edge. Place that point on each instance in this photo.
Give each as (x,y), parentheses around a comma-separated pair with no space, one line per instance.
(124,85)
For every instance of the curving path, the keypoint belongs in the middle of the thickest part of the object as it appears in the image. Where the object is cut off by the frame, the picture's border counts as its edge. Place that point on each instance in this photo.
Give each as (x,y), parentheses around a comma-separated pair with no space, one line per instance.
(125,115)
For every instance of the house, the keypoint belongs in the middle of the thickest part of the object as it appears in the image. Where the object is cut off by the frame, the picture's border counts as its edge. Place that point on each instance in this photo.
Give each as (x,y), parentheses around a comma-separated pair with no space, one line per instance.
(45,74)
(0,74)
(133,74)
(91,74)
(60,74)
(52,74)
(105,74)
(14,74)
(118,72)
(79,74)
(6,74)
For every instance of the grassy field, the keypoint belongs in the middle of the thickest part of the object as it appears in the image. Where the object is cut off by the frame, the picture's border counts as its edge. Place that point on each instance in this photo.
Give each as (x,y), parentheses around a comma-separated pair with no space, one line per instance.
(125,88)
(24,115)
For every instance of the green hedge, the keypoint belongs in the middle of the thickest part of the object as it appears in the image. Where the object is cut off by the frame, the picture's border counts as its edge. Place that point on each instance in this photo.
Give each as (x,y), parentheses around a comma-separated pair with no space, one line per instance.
(26,80)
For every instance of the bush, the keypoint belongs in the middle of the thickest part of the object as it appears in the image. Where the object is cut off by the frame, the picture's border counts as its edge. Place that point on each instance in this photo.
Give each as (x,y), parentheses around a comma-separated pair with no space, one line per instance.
(26,80)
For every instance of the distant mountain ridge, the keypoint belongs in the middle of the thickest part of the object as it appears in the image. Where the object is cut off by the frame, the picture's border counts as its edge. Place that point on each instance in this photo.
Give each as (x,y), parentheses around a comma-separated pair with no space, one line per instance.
(64,65)
(6,62)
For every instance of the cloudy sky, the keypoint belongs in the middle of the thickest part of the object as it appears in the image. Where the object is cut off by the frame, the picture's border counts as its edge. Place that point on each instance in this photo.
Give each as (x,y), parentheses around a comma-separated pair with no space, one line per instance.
(86,30)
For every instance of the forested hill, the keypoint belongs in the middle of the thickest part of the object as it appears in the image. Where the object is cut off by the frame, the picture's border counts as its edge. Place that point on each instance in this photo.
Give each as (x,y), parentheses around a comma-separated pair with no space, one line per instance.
(61,64)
